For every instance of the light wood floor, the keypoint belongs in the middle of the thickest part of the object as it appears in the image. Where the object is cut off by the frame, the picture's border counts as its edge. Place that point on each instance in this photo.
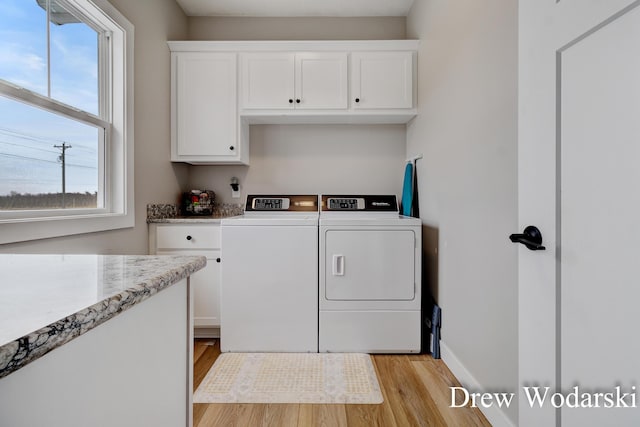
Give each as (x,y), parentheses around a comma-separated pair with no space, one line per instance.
(415,389)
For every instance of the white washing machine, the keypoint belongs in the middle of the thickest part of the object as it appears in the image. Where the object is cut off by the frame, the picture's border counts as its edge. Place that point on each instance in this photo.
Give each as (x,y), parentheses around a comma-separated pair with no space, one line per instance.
(269,276)
(370,276)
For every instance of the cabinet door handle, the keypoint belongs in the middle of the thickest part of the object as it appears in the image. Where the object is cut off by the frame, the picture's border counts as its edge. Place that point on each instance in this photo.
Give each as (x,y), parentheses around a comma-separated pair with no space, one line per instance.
(297,101)
(232,148)
(217,259)
(189,237)
(338,265)
(290,101)
(357,99)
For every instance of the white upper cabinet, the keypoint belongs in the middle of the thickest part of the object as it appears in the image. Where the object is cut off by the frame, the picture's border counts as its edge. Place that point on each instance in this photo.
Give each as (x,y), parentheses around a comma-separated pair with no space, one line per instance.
(267,80)
(204,108)
(382,80)
(220,88)
(306,80)
(321,80)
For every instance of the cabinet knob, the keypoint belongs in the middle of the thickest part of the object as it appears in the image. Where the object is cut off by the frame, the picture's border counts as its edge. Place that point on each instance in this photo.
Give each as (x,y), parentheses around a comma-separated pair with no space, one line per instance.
(189,237)
(297,101)
(357,99)
(290,101)
(217,259)
(232,148)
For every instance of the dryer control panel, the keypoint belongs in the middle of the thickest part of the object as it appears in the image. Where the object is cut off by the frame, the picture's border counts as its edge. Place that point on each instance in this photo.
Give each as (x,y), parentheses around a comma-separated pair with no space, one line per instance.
(345,203)
(364,203)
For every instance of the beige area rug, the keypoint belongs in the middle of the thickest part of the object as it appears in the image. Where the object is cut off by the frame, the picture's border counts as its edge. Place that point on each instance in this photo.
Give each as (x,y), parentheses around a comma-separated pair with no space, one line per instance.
(290,378)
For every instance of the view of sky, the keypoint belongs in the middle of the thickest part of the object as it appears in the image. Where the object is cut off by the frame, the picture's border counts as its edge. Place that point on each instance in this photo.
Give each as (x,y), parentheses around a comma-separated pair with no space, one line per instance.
(29,162)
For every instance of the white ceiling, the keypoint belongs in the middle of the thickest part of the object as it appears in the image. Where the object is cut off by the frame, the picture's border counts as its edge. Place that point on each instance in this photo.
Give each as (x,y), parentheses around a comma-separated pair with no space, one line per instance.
(296,7)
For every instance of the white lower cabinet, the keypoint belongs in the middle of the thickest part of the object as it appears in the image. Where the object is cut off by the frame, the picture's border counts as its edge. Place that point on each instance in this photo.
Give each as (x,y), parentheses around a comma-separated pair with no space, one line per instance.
(195,239)
(206,287)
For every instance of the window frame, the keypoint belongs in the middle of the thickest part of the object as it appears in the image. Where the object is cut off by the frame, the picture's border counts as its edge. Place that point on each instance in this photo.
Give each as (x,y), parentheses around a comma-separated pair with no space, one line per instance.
(116,77)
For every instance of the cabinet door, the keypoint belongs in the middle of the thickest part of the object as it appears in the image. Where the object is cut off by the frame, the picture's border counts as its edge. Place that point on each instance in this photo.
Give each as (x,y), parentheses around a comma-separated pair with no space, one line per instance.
(205,105)
(381,80)
(206,299)
(268,80)
(321,80)
(205,285)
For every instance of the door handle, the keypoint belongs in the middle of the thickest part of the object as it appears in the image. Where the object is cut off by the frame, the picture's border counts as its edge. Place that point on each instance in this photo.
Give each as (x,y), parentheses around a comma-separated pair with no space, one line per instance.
(531,238)
(338,265)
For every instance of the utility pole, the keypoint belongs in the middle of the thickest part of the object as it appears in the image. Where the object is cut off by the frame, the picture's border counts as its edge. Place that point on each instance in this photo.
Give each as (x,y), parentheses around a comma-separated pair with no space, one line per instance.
(63,148)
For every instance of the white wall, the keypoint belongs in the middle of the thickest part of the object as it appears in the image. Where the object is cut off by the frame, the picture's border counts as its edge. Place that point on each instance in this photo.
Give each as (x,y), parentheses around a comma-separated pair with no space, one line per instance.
(156,179)
(313,159)
(467,131)
(308,158)
(309,28)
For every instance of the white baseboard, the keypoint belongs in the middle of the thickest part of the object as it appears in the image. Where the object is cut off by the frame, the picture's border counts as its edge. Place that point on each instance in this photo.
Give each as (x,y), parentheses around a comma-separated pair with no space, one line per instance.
(495,415)
(202,332)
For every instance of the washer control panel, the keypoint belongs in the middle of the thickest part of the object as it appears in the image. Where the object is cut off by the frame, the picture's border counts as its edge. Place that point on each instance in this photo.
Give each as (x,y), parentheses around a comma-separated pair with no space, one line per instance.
(277,203)
(270,204)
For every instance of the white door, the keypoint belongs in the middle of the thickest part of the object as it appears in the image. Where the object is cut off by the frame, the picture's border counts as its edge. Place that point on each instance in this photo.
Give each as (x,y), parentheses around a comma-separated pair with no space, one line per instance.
(267,80)
(321,80)
(579,151)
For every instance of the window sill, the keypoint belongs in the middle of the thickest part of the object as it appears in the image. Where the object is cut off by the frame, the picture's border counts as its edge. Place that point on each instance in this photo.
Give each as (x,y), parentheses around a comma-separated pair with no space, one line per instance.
(13,231)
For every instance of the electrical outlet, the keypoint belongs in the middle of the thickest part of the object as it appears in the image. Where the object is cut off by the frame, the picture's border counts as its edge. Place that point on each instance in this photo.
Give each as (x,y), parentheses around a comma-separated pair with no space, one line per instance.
(235,188)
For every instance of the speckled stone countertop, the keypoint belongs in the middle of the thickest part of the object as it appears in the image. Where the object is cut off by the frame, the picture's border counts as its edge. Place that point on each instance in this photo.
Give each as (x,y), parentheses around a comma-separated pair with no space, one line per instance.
(48,300)
(169,214)
(186,220)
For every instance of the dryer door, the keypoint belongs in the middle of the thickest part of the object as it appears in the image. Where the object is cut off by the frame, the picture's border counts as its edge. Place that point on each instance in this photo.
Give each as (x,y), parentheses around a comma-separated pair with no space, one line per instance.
(369,265)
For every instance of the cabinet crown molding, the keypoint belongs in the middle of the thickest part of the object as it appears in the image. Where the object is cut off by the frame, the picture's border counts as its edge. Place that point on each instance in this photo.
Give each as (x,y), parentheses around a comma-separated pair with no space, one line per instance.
(297,45)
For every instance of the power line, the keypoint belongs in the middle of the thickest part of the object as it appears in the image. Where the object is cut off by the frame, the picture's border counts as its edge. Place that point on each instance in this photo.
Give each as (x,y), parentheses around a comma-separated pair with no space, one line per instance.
(26,146)
(27,158)
(45,160)
(22,135)
(81,166)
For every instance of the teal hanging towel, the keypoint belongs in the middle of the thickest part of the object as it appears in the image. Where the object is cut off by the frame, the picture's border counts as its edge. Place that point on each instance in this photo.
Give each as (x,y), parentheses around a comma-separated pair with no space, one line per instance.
(407,190)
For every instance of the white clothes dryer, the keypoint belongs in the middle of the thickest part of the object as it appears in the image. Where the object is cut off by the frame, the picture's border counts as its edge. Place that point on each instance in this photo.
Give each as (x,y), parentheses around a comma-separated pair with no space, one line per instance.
(370,276)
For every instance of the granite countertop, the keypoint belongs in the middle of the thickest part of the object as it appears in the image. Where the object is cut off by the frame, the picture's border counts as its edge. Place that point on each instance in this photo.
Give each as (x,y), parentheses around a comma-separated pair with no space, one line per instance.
(48,300)
(166,213)
(186,220)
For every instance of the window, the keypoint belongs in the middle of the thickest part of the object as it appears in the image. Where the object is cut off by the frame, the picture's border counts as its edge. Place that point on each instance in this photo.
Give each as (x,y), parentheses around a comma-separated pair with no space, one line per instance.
(66,129)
